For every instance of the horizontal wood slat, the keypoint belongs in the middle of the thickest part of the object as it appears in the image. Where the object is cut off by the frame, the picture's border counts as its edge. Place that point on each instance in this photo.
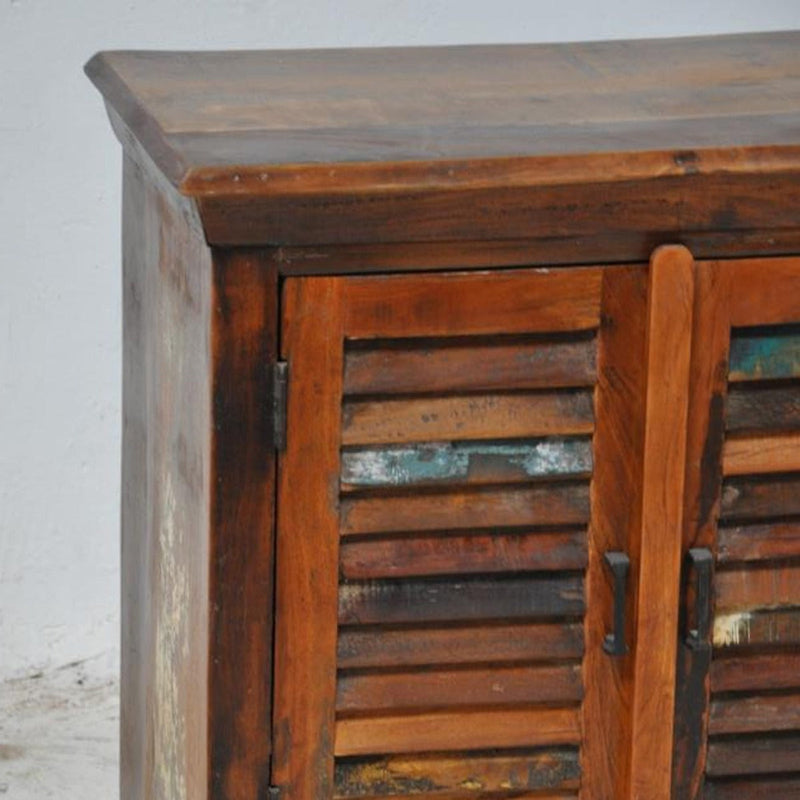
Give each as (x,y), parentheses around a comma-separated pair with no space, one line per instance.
(465,775)
(463,555)
(531,302)
(438,366)
(758,542)
(471,599)
(495,416)
(756,672)
(454,731)
(753,498)
(783,788)
(744,589)
(772,293)
(758,356)
(536,506)
(465,462)
(755,714)
(471,645)
(761,454)
(756,755)
(763,408)
(448,688)
(757,628)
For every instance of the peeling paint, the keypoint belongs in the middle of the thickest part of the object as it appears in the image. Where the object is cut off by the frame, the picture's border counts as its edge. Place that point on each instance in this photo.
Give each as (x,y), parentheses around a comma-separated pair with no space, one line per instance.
(732,629)
(760,357)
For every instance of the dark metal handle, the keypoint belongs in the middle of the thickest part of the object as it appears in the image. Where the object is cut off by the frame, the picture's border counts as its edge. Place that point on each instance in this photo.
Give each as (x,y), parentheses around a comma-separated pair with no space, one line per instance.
(698,621)
(619,564)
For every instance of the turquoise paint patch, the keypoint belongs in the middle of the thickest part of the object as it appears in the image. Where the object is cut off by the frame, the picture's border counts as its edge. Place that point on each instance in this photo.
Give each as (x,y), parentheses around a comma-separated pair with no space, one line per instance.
(765,357)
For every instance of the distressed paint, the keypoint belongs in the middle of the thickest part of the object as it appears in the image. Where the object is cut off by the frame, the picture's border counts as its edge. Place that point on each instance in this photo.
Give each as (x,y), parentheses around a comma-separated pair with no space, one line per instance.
(462,461)
(759,357)
(732,629)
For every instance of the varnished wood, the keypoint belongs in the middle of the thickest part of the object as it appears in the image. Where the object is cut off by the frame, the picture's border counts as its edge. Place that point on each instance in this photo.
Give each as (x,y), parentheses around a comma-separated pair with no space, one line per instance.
(307,545)
(670,307)
(457,730)
(762,454)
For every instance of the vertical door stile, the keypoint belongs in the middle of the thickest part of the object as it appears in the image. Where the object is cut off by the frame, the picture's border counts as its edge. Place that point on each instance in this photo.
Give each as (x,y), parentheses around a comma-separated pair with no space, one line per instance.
(308,543)
(670,311)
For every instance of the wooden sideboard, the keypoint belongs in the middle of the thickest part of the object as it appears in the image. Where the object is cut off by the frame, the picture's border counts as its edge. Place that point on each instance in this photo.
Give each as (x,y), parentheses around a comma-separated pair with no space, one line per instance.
(461,450)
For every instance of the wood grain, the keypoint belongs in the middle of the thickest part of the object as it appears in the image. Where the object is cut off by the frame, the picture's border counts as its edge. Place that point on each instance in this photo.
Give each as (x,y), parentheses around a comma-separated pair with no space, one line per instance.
(755,497)
(766,542)
(307,543)
(757,755)
(473,774)
(360,648)
(764,408)
(770,586)
(759,628)
(753,714)
(482,507)
(761,454)
(765,354)
(469,599)
(787,788)
(459,730)
(453,688)
(464,555)
(471,365)
(669,339)
(762,672)
(494,416)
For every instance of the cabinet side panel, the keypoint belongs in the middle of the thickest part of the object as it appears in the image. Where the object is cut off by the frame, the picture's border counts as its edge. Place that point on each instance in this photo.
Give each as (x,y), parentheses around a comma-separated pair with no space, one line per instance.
(244,331)
(165,508)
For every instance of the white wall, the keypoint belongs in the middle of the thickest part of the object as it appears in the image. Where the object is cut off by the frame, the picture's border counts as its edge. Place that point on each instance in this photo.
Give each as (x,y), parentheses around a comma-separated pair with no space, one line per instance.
(59,255)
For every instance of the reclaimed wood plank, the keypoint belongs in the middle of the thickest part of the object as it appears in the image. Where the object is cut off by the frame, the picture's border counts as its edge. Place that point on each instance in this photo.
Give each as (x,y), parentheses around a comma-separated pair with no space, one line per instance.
(757,672)
(308,542)
(472,365)
(530,301)
(755,714)
(493,416)
(785,787)
(761,454)
(486,507)
(756,497)
(765,542)
(465,462)
(463,555)
(360,648)
(460,730)
(465,775)
(468,599)
(757,628)
(763,408)
(765,355)
(752,588)
(770,293)
(453,688)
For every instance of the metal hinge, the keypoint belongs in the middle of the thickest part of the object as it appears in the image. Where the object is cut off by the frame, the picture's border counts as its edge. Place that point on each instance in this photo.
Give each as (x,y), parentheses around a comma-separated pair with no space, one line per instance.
(280,389)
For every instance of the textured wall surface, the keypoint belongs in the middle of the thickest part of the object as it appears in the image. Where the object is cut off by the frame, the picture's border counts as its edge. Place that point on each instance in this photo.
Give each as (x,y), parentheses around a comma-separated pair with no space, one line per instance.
(59,256)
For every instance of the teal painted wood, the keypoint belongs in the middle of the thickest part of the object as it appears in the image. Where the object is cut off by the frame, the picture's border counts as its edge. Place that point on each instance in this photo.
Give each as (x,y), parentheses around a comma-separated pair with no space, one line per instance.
(760,357)
(466,462)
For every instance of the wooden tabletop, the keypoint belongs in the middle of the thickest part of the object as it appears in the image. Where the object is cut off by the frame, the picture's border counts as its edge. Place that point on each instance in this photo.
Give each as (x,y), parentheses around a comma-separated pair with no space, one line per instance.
(260,121)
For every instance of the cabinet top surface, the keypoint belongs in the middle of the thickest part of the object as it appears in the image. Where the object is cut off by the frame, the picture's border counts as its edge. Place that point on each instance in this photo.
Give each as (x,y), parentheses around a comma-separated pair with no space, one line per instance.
(298,121)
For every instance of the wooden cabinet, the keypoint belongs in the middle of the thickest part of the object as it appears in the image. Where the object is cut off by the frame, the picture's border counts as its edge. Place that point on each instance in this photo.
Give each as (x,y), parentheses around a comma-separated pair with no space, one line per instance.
(461,449)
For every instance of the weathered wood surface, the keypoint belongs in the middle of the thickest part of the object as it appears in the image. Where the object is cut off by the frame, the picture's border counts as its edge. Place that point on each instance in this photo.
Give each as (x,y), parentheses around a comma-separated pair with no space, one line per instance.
(765,355)
(307,544)
(669,343)
(454,688)
(759,542)
(466,462)
(449,731)
(615,525)
(533,301)
(762,454)
(754,497)
(466,775)
(753,714)
(763,408)
(757,587)
(467,599)
(460,645)
(786,788)
(758,672)
(471,365)
(758,628)
(463,555)
(483,507)
(468,417)
(755,755)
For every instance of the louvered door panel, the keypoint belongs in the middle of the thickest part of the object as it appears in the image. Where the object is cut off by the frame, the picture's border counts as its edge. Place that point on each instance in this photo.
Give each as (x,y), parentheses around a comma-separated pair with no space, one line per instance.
(744,693)
(437,549)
